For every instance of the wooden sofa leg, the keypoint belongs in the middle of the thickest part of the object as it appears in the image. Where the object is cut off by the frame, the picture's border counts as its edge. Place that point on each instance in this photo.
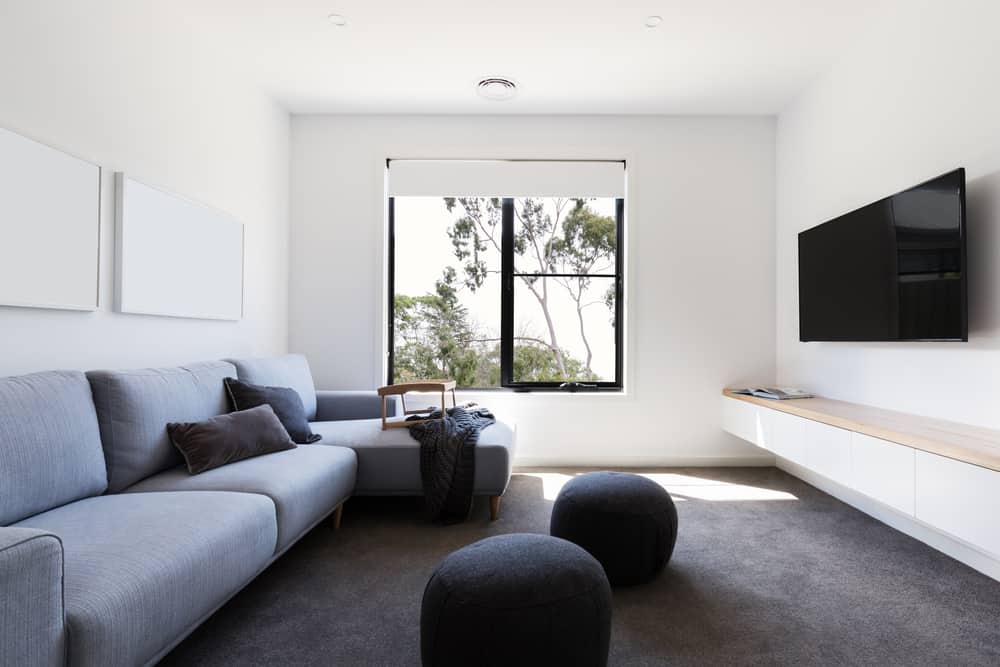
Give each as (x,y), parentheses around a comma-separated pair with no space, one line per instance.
(494,507)
(337,514)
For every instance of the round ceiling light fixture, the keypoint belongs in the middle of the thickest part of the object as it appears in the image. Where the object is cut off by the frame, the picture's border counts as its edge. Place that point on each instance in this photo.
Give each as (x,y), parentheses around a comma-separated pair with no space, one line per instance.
(338,20)
(653,21)
(496,88)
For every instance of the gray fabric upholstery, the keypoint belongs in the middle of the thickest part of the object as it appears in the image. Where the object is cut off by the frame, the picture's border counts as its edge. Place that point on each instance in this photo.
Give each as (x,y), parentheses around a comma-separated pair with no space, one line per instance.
(50,446)
(517,599)
(290,370)
(339,405)
(31,604)
(627,522)
(229,438)
(134,407)
(140,569)
(389,461)
(305,483)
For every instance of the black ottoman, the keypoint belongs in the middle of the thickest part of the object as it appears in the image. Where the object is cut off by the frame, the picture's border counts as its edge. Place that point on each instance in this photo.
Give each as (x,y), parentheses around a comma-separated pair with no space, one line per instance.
(516,600)
(627,522)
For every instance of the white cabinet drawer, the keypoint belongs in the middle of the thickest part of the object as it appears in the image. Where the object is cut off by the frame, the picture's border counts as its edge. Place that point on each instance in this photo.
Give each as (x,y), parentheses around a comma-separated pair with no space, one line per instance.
(740,419)
(783,434)
(883,470)
(828,451)
(960,499)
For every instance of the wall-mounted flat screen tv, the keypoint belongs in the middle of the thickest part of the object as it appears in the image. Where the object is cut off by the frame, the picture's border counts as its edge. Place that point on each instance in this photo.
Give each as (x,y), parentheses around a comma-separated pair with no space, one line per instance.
(893,270)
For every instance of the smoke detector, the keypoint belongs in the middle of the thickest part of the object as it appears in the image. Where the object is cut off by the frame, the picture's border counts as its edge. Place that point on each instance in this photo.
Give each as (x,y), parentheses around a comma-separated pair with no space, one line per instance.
(496,88)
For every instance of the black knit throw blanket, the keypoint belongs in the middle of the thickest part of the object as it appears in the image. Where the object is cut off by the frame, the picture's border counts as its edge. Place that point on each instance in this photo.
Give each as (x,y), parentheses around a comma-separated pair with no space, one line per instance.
(448,459)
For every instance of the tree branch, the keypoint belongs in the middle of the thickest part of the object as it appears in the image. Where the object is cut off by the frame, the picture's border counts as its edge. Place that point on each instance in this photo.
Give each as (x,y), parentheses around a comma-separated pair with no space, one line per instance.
(528,338)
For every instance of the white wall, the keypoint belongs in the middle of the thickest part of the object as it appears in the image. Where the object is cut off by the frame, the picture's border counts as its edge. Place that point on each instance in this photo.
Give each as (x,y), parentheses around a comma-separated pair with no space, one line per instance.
(700,270)
(160,104)
(916,96)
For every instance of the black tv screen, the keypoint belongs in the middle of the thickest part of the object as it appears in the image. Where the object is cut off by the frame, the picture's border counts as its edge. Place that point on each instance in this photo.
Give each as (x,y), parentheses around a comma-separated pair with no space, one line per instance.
(891,271)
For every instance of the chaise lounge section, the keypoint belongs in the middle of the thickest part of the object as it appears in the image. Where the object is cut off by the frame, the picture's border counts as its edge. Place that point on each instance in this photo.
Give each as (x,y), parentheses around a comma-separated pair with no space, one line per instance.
(388,460)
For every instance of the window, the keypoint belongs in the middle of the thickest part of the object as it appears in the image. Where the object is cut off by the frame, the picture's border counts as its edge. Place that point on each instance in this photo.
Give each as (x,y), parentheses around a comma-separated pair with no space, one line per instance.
(519,291)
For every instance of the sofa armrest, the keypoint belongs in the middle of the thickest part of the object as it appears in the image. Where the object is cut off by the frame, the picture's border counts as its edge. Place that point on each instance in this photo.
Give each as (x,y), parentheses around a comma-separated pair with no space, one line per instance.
(32,624)
(334,406)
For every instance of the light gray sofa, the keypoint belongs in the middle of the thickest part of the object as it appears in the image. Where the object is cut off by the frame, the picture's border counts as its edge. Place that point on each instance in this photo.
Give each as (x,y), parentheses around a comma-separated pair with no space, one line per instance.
(110,553)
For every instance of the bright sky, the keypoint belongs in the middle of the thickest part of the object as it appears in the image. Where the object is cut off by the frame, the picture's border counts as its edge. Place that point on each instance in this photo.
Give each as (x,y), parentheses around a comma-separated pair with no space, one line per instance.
(423,250)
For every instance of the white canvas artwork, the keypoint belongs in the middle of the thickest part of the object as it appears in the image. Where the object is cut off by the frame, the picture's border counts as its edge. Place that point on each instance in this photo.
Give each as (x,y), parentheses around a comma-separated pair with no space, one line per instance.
(50,210)
(175,257)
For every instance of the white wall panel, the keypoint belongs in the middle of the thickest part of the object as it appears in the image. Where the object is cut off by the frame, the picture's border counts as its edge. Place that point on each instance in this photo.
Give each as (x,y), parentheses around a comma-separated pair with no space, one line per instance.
(178,118)
(698,270)
(890,114)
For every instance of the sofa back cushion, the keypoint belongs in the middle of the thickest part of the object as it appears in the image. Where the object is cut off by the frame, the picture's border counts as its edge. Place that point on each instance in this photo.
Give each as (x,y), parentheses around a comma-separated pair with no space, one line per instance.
(50,446)
(134,408)
(290,370)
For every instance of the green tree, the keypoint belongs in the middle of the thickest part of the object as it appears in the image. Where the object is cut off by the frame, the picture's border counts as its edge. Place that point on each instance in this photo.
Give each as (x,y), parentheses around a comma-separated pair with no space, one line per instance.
(587,245)
(536,363)
(578,241)
(434,339)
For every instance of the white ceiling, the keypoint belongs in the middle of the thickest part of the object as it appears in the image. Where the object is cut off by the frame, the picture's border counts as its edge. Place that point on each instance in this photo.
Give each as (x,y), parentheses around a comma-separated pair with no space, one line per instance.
(568,56)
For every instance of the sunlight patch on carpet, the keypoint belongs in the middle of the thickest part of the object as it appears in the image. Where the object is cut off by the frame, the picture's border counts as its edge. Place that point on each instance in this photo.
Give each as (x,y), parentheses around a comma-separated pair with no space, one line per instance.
(681,487)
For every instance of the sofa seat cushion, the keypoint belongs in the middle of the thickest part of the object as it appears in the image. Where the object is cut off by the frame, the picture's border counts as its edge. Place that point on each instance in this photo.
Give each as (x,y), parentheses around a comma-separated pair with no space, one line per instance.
(141,570)
(389,460)
(304,483)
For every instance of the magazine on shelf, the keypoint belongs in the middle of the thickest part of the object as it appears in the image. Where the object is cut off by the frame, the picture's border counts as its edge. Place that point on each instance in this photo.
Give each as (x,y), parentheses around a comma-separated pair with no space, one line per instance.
(774,393)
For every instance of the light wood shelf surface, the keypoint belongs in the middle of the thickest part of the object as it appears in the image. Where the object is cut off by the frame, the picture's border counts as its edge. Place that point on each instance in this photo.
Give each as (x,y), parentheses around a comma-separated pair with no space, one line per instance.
(962,442)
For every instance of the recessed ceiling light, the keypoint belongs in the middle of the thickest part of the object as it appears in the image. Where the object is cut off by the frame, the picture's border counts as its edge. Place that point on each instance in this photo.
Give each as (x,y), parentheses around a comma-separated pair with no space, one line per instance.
(653,21)
(496,88)
(338,20)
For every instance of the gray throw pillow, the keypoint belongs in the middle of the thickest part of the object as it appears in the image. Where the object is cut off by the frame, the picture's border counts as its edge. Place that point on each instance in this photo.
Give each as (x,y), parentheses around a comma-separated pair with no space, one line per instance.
(285,402)
(228,438)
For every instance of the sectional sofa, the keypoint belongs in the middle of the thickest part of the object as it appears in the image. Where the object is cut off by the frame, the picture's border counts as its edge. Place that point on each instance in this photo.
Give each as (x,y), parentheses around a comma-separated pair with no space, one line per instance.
(111,553)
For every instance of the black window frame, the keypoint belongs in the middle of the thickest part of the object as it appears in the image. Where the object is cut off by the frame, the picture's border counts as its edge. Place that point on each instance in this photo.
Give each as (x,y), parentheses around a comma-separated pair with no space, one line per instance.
(507,280)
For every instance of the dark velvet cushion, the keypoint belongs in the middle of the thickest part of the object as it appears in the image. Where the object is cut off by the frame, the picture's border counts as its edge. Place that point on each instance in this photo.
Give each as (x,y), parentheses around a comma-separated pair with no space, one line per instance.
(627,522)
(229,438)
(518,599)
(285,401)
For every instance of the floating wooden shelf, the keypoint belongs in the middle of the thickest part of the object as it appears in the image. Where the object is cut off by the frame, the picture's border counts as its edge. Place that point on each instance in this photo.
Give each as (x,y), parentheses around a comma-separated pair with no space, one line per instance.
(962,442)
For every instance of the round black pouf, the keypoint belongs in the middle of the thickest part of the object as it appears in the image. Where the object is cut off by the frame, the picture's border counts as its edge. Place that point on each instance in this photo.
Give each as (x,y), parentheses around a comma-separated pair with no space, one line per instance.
(516,600)
(627,522)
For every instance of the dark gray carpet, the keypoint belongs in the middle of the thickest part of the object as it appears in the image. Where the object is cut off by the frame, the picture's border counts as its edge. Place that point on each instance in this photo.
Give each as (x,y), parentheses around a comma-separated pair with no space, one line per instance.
(803,581)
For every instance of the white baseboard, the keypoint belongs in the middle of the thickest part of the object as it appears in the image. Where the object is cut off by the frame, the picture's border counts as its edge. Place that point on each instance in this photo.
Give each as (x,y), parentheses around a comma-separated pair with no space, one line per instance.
(946,544)
(643,461)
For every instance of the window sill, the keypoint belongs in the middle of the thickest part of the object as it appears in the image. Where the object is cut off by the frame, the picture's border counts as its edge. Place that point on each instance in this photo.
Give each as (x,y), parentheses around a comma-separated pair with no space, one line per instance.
(505,391)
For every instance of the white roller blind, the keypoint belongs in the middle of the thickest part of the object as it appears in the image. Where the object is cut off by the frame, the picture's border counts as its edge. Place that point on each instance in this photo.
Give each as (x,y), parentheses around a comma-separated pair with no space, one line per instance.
(506,178)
